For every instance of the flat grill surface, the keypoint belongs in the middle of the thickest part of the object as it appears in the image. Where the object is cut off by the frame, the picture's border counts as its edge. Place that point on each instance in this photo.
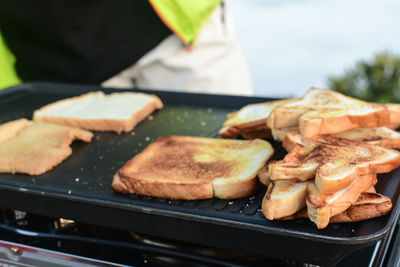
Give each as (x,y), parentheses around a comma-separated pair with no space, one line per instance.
(80,188)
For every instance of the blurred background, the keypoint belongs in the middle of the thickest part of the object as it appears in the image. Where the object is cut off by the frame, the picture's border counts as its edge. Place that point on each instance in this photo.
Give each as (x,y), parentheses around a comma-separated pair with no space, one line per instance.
(293,45)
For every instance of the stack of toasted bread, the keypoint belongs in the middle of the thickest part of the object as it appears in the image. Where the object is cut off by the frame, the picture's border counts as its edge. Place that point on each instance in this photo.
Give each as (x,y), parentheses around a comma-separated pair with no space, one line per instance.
(336,147)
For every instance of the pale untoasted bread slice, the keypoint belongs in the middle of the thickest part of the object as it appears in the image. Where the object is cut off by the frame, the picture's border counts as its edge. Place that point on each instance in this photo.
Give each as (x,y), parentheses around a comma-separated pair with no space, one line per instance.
(334,162)
(322,111)
(36,147)
(381,136)
(369,205)
(183,167)
(249,119)
(321,207)
(284,198)
(118,112)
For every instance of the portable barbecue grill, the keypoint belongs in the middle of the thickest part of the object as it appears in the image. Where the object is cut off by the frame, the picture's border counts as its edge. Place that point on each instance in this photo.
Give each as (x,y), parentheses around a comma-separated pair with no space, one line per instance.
(102,227)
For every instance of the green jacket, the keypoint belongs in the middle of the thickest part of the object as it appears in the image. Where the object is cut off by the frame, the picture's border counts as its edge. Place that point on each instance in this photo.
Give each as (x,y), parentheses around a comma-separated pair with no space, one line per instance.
(8,75)
(185,18)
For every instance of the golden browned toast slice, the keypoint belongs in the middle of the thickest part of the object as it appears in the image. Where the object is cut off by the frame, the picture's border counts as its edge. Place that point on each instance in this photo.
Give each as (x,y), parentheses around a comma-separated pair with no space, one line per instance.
(36,147)
(249,119)
(284,198)
(321,207)
(322,111)
(369,205)
(184,167)
(381,136)
(118,112)
(334,162)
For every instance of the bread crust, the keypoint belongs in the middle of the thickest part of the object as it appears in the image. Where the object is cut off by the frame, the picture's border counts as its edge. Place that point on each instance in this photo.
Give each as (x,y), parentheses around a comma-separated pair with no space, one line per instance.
(236,189)
(170,190)
(103,124)
(284,198)
(394,110)
(311,126)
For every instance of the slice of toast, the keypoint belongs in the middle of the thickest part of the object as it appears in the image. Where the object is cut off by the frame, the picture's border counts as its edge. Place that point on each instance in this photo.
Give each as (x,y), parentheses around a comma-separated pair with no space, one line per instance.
(334,162)
(36,147)
(184,167)
(284,198)
(321,207)
(369,205)
(249,119)
(322,111)
(381,136)
(118,112)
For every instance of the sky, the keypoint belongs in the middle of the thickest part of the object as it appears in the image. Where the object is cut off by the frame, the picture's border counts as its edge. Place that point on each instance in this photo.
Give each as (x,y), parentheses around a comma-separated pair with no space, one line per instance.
(292,45)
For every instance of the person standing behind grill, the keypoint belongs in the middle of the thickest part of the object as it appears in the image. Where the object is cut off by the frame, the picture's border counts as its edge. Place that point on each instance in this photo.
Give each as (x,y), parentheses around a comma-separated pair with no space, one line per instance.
(156,44)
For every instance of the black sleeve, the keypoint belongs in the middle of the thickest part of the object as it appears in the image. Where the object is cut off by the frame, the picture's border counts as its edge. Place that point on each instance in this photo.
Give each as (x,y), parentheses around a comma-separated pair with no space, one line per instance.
(78,41)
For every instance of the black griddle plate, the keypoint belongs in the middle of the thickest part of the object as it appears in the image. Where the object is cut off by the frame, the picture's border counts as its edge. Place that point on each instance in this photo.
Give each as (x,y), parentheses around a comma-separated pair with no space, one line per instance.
(79,188)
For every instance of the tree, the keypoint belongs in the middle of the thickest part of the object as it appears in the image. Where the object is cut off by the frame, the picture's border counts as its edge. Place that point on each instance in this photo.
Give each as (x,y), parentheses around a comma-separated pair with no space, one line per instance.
(376,81)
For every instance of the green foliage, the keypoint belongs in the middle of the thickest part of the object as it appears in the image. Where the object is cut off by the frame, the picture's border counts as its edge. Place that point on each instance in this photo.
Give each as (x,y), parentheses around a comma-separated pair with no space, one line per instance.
(376,81)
